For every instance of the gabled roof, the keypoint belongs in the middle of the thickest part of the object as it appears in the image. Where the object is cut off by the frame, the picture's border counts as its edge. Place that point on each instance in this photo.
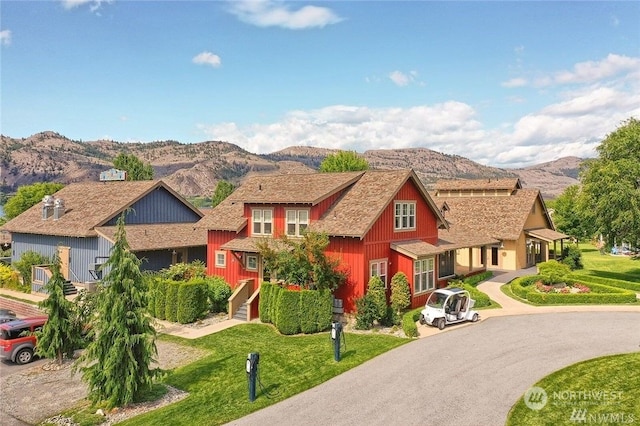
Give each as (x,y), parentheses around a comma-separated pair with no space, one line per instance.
(501,218)
(87,206)
(158,236)
(366,195)
(357,210)
(545,234)
(477,184)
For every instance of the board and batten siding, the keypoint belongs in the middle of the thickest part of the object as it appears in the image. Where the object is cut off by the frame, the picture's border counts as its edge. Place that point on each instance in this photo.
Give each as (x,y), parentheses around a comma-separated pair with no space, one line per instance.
(83,251)
(159,206)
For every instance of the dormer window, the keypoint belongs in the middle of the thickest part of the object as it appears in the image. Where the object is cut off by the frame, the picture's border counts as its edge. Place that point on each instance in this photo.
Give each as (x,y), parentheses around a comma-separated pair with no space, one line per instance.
(262,220)
(297,222)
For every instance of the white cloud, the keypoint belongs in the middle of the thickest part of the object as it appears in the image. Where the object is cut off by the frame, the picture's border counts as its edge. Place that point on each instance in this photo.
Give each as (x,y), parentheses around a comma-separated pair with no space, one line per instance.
(5,37)
(94,5)
(207,58)
(402,79)
(572,125)
(275,13)
(515,82)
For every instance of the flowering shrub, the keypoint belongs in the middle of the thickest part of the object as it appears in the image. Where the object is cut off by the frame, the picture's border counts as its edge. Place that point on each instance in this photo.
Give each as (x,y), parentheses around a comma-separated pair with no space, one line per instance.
(575,288)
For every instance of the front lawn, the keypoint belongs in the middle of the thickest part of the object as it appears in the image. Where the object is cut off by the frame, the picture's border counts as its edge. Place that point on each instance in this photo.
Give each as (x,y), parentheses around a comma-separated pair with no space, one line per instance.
(217,384)
(607,266)
(603,390)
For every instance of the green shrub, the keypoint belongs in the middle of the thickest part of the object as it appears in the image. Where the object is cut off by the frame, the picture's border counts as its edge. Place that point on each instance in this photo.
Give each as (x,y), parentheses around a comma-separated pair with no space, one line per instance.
(288,312)
(171,303)
(482,300)
(400,292)
(218,293)
(9,277)
(572,257)
(184,271)
(553,271)
(308,314)
(192,300)
(160,298)
(366,312)
(273,303)
(378,296)
(151,295)
(409,322)
(324,309)
(600,294)
(265,301)
(629,285)
(27,260)
(474,280)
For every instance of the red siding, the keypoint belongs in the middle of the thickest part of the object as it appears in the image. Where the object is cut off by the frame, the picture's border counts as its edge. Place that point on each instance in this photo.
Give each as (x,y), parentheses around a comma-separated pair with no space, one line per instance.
(233,272)
(350,253)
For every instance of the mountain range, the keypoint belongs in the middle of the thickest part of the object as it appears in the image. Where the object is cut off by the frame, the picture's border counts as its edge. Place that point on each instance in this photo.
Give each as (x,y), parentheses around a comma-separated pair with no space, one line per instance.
(194,169)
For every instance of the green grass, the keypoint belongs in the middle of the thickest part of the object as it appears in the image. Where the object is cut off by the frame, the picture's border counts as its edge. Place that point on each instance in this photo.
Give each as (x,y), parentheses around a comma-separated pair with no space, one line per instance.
(607,266)
(27,301)
(615,379)
(217,383)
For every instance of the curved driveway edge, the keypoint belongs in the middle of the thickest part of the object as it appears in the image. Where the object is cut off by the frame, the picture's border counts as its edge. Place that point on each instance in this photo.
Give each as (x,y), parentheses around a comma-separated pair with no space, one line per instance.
(468,375)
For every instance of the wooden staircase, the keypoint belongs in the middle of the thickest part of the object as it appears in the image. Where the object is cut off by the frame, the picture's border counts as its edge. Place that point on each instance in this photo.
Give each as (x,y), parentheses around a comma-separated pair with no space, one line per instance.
(241,313)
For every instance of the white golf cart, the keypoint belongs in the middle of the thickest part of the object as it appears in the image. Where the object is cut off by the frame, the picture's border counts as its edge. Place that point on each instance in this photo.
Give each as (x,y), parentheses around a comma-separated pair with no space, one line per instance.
(448,306)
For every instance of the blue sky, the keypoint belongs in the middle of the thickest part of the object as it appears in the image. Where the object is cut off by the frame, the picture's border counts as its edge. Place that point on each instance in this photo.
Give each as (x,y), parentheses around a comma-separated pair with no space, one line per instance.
(506,84)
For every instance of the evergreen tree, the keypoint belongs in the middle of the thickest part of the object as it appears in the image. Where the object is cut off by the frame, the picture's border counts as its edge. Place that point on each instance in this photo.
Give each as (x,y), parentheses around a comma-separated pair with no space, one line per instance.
(400,292)
(378,295)
(59,335)
(116,365)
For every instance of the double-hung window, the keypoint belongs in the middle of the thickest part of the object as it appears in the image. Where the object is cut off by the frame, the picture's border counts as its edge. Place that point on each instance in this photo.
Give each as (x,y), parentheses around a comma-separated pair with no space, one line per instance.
(423,275)
(221,259)
(297,222)
(405,215)
(378,268)
(251,262)
(262,220)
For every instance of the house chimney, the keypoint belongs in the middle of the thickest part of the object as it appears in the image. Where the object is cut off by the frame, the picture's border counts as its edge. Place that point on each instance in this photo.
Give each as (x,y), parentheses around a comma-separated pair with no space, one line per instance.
(47,207)
(58,208)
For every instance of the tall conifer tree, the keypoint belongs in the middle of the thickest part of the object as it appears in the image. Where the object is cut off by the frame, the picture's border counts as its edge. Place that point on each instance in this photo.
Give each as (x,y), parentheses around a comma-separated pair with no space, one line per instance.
(116,365)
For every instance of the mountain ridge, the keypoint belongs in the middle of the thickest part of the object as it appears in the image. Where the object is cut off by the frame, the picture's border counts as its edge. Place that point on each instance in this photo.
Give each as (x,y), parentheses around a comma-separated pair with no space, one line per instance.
(194,169)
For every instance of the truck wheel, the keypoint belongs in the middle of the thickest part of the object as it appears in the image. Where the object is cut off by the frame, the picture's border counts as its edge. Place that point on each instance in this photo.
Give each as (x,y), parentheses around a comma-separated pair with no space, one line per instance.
(24,356)
(441,323)
(475,318)
(422,320)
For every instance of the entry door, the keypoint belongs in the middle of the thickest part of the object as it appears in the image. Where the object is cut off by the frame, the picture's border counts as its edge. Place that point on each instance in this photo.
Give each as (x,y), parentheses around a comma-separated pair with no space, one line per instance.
(494,256)
(64,253)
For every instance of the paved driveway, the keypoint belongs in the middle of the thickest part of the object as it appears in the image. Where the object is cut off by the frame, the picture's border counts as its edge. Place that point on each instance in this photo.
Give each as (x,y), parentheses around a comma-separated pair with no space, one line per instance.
(465,375)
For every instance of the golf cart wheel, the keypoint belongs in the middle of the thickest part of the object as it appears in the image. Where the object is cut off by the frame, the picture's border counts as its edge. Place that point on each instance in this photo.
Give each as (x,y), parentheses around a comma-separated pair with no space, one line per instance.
(475,318)
(422,320)
(441,324)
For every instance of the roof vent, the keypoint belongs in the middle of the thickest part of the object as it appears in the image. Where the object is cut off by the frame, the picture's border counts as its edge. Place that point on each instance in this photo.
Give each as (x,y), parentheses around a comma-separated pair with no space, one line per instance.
(58,208)
(47,207)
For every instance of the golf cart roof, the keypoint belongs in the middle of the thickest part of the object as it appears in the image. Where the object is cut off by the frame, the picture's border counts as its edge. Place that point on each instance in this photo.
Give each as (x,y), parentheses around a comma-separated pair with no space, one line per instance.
(450,290)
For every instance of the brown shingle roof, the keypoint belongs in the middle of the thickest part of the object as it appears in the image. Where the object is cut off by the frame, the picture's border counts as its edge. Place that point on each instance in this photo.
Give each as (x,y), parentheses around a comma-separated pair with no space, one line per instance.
(158,236)
(87,205)
(545,234)
(479,184)
(501,218)
(358,209)
(367,195)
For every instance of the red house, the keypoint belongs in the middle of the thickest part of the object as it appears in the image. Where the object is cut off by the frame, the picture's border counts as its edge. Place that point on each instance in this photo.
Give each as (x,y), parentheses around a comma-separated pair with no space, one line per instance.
(379,222)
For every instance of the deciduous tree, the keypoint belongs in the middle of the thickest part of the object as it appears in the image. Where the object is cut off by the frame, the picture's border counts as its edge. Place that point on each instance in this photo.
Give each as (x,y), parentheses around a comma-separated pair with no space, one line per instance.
(28,196)
(117,363)
(343,161)
(135,168)
(223,190)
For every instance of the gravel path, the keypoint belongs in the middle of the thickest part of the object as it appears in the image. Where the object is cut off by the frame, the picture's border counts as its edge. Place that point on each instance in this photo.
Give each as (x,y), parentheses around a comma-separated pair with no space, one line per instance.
(35,394)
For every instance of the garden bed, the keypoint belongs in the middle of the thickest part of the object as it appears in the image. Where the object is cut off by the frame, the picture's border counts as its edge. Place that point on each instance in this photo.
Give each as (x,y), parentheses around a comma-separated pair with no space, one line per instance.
(532,289)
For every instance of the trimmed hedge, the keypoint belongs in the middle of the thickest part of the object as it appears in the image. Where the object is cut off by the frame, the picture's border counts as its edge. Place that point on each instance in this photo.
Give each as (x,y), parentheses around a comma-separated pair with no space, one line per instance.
(171,302)
(218,292)
(409,320)
(151,295)
(474,280)
(481,298)
(288,312)
(306,311)
(160,298)
(600,294)
(192,300)
(264,305)
(628,285)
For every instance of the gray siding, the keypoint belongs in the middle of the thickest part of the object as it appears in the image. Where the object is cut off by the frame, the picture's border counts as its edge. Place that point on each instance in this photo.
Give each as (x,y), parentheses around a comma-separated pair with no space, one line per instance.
(83,251)
(159,206)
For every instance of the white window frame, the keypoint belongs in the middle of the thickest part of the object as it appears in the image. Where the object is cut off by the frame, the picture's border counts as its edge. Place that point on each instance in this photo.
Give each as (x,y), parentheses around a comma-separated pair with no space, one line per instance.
(424,272)
(258,217)
(379,268)
(247,262)
(221,259)
(300,225)
(404,215)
